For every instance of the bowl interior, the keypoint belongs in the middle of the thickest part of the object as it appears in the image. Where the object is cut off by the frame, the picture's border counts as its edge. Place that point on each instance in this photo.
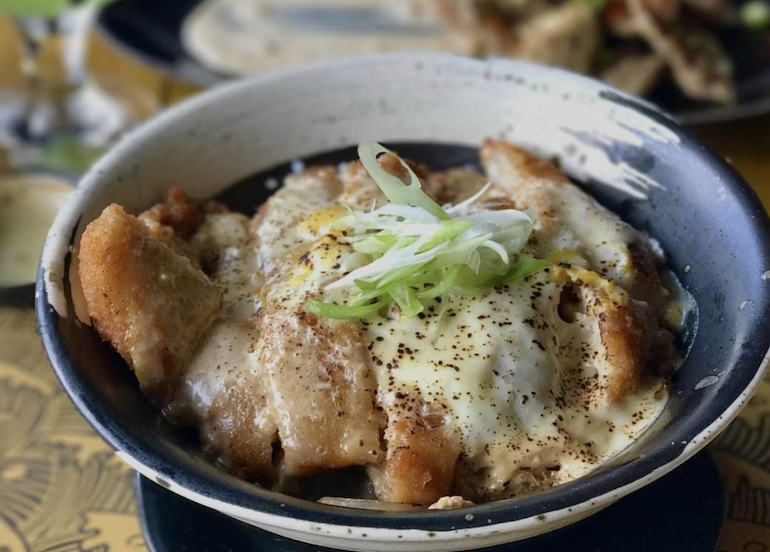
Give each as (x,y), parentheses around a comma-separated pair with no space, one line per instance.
(231,142)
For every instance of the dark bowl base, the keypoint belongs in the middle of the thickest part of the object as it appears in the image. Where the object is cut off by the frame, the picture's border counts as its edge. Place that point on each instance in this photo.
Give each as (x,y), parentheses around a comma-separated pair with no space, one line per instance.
(682,512)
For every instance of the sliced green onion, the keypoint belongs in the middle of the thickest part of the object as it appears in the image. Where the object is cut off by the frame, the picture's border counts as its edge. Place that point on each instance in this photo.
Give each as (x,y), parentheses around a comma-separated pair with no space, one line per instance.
(405,274)
(365,286)
(407,301)
(418,251)
(376,244)
(395,190)
(525,266)
(497,248)
(342,312)
(448,230)
(444,284)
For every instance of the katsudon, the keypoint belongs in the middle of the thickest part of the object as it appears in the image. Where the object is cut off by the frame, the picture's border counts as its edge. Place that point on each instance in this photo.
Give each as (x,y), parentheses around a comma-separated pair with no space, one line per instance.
(458,336)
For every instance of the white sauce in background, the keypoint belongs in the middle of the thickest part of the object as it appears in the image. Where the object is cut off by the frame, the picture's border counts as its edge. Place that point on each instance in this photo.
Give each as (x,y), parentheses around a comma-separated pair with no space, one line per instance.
(28,205)
(243,37)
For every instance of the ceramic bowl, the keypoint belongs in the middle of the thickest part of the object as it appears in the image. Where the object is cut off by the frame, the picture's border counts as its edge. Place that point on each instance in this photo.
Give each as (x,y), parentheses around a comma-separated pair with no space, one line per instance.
(631,157)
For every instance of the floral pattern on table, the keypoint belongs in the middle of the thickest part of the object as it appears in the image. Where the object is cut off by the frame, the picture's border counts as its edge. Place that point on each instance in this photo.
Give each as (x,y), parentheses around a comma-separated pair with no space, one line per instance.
(742,453)
(62,489)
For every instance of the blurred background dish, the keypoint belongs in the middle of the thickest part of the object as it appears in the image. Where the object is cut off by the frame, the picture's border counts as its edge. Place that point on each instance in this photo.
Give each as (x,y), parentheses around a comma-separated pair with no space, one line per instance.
(702,60)
(58,116)
(28,204)
(245,37)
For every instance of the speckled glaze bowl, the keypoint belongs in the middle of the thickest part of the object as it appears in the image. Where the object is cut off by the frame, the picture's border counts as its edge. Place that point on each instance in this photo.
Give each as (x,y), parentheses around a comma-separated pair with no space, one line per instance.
(631,157)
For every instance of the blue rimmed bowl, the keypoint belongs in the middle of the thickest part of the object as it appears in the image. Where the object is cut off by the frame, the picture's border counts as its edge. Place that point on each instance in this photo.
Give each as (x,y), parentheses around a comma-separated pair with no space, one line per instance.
(633,159)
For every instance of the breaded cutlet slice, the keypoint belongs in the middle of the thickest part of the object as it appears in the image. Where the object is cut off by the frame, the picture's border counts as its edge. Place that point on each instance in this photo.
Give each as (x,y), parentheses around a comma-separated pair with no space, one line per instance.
(149,302)
(567,217)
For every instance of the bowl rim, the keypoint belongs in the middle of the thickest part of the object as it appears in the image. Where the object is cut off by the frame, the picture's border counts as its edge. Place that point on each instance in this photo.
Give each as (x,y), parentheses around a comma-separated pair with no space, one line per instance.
(283,512)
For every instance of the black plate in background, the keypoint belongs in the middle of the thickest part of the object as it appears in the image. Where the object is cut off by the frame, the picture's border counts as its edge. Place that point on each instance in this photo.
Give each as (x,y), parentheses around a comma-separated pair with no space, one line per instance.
(682,512)
(151,31)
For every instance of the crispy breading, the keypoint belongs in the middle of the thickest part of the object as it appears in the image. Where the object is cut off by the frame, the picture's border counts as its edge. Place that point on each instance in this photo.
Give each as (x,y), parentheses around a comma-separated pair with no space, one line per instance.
(634,342)
(240,430)
(222,394)
(635,347)
(318,373)
(562,212)
(174,221)
(284,392)
(319,383)
(422,454)
(176,214)
(314,370)
(149,302)
(454,185)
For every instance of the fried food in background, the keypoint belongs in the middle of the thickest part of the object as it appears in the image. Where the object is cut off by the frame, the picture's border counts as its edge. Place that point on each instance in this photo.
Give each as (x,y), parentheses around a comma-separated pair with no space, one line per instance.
(635,45)
(631,43)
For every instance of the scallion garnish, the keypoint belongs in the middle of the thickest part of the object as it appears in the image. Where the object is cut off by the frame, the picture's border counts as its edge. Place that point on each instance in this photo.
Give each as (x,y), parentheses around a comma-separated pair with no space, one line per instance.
(420,251)
(330,310)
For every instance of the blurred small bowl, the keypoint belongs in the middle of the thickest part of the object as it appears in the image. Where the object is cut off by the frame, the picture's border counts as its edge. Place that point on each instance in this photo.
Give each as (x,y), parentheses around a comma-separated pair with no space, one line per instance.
(633,159)
(32,198)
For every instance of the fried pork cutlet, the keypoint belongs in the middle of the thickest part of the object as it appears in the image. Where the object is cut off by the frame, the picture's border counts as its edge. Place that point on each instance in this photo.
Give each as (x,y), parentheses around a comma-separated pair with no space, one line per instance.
(148,301)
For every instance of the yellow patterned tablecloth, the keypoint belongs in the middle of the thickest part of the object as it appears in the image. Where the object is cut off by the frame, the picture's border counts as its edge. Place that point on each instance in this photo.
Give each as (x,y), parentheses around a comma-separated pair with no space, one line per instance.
(61,487)
(63,490)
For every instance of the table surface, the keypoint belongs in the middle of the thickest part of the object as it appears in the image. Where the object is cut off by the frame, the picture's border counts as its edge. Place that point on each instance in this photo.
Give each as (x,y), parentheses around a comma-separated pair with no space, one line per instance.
(63,489)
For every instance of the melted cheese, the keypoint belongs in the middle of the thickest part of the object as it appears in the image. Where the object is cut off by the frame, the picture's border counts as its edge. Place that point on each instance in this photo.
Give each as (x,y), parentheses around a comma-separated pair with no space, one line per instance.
(507,369)
(224,356)
(500,364)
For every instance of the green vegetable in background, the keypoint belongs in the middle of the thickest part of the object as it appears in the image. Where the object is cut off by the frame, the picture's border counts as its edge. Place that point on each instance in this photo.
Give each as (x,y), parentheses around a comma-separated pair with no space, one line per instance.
(755,15)
(41,8)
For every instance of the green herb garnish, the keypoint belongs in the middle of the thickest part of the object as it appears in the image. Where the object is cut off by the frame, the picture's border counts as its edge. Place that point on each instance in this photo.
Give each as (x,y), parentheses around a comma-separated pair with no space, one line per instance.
(755,15)
(419,251)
